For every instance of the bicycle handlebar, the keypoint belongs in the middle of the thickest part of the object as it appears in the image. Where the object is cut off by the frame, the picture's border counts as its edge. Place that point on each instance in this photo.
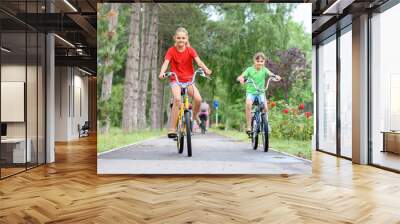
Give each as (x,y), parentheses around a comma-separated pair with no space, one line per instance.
(273,77)
(199,71)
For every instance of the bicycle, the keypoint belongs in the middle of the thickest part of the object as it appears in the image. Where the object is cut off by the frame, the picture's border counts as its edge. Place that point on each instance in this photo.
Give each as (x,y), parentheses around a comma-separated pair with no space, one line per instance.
(259,121)
(184,124)
(203,119)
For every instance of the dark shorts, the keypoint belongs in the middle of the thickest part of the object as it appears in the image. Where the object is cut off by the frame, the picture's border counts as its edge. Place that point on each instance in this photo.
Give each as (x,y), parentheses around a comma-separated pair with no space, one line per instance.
(203,116)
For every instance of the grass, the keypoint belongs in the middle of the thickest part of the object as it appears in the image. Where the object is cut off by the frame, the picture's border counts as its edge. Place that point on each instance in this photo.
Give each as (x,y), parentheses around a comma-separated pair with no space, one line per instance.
(116,138)
(294,147)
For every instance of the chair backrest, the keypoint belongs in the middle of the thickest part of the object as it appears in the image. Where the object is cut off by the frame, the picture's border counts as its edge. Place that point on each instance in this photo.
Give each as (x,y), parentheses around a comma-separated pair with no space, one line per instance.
(86,125)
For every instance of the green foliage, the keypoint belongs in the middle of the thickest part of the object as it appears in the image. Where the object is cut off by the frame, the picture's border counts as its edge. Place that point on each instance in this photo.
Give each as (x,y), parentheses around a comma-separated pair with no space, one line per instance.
(112,107)
(111,54)
(301,92)
(118,40)
(115,105)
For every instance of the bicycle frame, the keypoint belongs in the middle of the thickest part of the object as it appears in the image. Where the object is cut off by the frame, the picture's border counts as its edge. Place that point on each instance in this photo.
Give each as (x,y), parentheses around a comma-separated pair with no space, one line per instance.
(259,112)
(184,107)
(260,117)
(261,91)
(185,99)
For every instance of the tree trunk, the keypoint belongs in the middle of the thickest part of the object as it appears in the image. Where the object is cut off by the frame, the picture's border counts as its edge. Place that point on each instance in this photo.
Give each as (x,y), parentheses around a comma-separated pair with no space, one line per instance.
(160,61)
(156,96)
(147,39)
(107,79)
(131,82)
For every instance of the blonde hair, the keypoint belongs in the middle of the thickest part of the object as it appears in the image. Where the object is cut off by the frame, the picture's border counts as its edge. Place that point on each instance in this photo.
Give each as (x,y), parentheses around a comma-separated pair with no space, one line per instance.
(183,30)
(259,55)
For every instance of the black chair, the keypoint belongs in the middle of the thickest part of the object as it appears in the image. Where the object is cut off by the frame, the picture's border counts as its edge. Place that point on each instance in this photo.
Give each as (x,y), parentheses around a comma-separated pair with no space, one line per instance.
(84,130)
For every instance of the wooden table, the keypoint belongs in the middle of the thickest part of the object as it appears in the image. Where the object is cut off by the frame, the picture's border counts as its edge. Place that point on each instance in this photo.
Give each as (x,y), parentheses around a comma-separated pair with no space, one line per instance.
(13,150)
(391,141)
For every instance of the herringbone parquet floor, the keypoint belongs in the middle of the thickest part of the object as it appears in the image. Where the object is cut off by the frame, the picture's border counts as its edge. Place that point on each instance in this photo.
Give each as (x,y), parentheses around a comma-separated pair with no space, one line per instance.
(70,191)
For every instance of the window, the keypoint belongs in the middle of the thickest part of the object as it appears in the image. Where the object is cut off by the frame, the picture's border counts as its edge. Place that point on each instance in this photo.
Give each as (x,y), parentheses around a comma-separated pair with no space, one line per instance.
(346,95)
(23,91)
(327,95)
(385,88)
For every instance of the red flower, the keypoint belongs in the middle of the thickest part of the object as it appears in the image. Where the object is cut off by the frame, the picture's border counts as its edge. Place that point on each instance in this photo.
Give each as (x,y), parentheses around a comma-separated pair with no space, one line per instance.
(286,111)
(301,106)
(308,114)
(273,104)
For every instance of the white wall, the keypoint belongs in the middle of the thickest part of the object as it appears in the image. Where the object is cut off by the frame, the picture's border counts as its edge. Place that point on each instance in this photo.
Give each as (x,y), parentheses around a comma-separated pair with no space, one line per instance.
(61,103)
(33,126)
(17,73)
(70,83)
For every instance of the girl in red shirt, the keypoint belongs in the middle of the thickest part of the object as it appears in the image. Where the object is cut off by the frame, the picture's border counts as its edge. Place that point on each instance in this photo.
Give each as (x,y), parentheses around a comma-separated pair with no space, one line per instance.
(181,56)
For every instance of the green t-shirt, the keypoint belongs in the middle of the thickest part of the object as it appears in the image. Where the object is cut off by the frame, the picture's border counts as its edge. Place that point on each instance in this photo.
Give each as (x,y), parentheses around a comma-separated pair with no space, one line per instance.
(257,76)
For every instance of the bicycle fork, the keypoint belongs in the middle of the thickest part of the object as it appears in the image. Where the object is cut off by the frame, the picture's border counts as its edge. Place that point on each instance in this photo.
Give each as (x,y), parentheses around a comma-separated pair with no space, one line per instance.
(184,108)
(264,115)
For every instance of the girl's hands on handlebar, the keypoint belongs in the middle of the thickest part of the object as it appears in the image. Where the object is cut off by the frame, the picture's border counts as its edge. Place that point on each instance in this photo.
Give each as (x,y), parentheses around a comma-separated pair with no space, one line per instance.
(276,78)
(165,75)
(207,71)
(241,80)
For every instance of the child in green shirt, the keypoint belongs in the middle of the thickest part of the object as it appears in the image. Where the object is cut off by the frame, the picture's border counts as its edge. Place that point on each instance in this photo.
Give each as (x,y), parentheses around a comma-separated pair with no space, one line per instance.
(258,73)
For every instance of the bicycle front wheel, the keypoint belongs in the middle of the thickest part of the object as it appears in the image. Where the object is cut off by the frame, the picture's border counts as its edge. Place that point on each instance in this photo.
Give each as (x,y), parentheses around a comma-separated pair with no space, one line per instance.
(265,134)
(180,137)
(254,130)
(188,133)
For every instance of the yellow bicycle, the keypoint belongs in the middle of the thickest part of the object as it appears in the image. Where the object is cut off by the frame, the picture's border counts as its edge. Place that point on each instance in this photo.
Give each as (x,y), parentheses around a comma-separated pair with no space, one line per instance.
(184,127)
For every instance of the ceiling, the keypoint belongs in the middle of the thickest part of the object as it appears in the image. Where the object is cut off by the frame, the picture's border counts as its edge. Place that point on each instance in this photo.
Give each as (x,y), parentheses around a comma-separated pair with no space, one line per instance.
(74,22)
(329,14)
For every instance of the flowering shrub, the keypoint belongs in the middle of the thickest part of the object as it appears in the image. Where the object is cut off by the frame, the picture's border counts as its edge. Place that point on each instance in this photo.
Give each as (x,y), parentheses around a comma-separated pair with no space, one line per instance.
(287,121)
(308,114)
(291,123)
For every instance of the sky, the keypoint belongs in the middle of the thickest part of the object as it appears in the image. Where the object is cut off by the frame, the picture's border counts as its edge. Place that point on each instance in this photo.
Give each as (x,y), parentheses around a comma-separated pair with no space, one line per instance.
(302,14)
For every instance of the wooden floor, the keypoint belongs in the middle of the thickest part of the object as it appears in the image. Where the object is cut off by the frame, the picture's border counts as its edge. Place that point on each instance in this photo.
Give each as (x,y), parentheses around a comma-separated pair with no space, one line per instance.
(387,159)
(70,191)
(10,171)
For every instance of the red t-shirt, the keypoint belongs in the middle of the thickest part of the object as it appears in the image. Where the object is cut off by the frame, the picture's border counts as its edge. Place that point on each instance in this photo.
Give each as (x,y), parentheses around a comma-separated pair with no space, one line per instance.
(181,63)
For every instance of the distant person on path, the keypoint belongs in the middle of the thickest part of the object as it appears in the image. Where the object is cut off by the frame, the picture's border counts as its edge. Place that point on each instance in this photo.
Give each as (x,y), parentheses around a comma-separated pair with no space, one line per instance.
(258,73)
(205,112)
(181,56)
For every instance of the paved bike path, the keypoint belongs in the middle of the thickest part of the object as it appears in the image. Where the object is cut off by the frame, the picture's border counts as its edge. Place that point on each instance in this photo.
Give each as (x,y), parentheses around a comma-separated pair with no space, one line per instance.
(212,154)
